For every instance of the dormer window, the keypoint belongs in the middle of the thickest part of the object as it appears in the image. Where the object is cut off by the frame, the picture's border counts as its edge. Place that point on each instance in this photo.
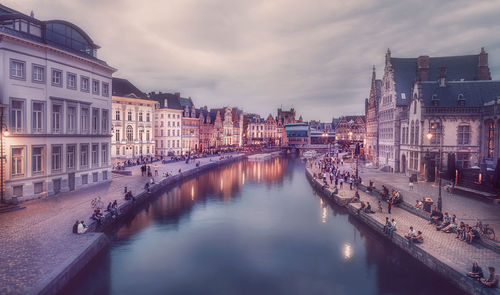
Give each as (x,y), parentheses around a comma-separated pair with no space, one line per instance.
(461,100)
(403,95)
(435,100)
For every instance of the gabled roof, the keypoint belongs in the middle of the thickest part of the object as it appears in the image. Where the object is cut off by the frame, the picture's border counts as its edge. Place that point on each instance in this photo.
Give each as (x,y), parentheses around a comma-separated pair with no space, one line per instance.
(172,101)
(475,93)
(457,67)
(124,88)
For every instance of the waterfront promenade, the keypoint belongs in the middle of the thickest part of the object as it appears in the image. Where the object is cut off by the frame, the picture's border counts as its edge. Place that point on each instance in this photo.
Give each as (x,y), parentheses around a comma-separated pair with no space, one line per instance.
(456,256)
(37,242)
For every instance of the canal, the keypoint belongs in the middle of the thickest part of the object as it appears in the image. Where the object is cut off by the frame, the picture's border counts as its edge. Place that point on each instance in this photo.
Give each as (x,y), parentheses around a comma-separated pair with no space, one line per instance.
(251,228)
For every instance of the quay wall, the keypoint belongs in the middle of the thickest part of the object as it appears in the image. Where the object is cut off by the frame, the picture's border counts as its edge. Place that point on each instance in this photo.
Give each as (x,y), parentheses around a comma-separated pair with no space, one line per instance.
(61,276)
(457,277)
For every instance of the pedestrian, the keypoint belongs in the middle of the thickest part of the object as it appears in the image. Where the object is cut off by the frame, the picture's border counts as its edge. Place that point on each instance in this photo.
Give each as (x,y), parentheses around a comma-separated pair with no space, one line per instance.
(411,184)
(389,206)
(379,206)
(75,227)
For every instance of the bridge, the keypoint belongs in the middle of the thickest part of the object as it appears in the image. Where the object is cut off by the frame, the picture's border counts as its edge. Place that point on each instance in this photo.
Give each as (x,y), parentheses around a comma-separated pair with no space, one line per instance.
(308,147)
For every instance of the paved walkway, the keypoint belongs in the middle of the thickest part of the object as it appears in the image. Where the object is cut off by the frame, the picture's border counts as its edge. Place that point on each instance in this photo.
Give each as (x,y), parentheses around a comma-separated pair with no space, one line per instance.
(35,241)
(467,209)
(455,253)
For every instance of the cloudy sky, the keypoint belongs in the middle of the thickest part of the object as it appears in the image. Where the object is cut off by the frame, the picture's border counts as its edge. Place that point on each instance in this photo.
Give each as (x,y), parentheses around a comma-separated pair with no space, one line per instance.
(313,55)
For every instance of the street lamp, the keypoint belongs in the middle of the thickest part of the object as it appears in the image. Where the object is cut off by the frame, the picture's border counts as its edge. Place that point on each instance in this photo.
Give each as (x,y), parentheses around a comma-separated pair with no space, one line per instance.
(4,132)
(430,135)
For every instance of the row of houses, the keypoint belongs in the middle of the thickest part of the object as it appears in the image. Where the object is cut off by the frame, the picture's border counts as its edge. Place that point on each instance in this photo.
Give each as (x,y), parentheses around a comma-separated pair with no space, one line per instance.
(64,118)
(426,110)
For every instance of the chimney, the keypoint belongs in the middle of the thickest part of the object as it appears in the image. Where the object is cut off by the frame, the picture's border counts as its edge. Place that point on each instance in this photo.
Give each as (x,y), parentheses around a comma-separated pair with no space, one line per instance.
(423,68)
(442,77)
(483,71)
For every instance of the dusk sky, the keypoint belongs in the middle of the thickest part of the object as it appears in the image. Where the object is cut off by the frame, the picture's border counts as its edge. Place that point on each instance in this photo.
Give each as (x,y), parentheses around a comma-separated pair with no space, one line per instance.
(315,56)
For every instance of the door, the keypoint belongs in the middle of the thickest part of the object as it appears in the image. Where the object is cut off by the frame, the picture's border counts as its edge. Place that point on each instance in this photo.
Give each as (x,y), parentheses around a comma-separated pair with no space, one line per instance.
(71,181)
(403,164)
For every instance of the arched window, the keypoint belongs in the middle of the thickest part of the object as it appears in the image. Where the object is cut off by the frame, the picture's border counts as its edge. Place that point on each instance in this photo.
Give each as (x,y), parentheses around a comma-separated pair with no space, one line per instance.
(490,139)
(412,130)
(130,133)
(416,133)
(435,100)
(461,100)
(415,105)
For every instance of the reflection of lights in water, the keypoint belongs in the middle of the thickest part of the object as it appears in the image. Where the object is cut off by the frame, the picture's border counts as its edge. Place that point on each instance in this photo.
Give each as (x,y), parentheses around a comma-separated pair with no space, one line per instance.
(192,192)
(325,215)
(221,183)
(347,251)
(243,178)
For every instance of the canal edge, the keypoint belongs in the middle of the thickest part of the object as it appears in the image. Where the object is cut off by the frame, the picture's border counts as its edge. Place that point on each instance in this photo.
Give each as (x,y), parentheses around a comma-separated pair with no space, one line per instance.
(465,283)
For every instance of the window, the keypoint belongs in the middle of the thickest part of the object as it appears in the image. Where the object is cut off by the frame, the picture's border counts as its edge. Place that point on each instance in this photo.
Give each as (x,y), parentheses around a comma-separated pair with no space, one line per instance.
(70,156)
(71,80)
(141,134)
(105,120)
(161,132)
(84,84)
(490,140)
(38,73)
(435,131)
(147,135)
(56,158)
(117,135)
(95,87)
(95,177)
(37,120)
(416,133)
(129,115)
(130,133)
(17,69)
(104,175)
(84,156)
(56,118)
(463,160)
(84,120)
(435,100)
(85,179)
(415,105)
(148,119)
(105,89)
(38,187)
(117,115)
(95,121)
(412,134)
(104,154)
(95,155)
(57,77)
(37,160)
(16,116)
(17,161)
(461,100)
(463,135)
(18,191)
(71,119)
(140,117)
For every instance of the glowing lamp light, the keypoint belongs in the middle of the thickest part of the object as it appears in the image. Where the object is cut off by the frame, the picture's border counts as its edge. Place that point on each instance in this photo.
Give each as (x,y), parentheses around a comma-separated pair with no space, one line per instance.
(429,136)
(6,133)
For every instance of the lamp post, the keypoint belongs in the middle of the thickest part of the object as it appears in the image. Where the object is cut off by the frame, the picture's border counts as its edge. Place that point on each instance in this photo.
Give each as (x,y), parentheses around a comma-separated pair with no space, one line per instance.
(3,132)
(430,135)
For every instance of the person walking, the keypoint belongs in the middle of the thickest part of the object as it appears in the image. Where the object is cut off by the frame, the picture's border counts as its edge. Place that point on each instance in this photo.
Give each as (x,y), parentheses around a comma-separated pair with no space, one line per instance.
(411,184)
(389,206)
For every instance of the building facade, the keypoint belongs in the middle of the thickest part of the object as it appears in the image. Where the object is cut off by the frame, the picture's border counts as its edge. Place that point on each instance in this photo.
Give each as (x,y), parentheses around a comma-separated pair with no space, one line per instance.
(371,115)
(298,134)
(132,122)
(167,122)
(397,88)
(56,98)
(350,129)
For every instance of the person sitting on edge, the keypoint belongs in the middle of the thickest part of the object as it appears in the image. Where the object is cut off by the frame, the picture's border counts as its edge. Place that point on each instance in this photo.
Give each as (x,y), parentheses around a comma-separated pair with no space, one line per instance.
(362,207)
(476,272)
(472,234)
(411,234)
(445,223)
(387,225)
(418,238)
(368,208)
(436,217)
(81,228)
(460,230)
(108,209)
(452,226)
(393,228)
(418,205)
(492,281)
(75,227)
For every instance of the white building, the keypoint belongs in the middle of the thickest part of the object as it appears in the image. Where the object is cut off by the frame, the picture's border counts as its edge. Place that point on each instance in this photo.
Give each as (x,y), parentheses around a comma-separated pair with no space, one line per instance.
(56,105)
(132,120)
(168,121)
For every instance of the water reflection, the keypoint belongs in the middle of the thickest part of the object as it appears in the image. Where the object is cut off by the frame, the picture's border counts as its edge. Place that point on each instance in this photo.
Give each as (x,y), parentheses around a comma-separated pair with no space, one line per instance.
(251,228)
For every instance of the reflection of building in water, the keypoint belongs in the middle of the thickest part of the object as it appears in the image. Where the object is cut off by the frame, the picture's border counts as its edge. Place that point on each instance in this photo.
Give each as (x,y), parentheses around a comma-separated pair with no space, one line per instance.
(221,184)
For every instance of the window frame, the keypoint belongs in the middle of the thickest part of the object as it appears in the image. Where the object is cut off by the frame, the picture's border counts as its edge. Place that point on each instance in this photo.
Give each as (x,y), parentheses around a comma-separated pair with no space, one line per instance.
(44,73)
(105,89)
(68,75)
(52,72)
(13,61)
(42,160)
(22,160)
(85,78)
(96,90)
(60,168)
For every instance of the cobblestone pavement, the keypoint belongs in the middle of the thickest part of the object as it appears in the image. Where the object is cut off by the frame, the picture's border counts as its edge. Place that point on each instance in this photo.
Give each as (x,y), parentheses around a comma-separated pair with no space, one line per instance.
(35,241)
(467,209)
(455,253)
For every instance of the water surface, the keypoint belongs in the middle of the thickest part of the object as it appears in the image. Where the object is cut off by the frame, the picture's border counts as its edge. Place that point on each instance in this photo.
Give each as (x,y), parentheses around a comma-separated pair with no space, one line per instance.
(251,228)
